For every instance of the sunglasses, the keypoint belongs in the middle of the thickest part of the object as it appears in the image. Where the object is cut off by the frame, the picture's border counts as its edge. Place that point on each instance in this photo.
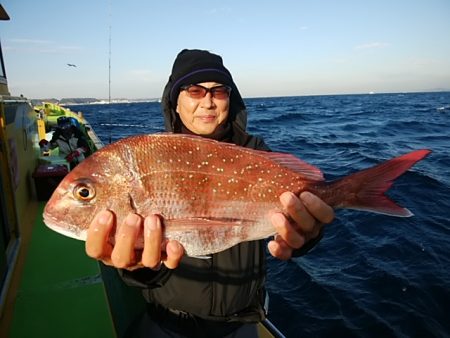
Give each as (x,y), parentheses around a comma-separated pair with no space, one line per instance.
(195,91)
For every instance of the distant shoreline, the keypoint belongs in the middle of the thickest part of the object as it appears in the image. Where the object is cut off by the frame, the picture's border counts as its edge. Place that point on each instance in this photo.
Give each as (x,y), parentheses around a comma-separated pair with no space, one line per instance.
(82,101)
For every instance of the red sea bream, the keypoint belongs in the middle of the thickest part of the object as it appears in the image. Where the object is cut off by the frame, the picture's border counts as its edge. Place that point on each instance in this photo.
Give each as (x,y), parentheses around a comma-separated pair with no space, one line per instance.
(211,195)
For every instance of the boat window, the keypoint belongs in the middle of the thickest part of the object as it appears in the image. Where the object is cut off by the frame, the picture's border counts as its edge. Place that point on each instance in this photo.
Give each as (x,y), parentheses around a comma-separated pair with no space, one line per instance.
(11,111)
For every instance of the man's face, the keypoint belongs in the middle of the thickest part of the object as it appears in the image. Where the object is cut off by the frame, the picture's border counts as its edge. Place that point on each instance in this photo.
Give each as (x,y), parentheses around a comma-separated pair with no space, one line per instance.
(67,132)
(202,115)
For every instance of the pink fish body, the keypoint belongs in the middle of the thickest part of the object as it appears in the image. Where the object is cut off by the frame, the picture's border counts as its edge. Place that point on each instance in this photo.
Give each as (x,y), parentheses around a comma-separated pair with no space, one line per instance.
(211,195)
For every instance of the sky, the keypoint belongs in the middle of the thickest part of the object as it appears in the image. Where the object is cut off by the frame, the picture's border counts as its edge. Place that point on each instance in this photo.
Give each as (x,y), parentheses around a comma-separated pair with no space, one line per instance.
(272,48)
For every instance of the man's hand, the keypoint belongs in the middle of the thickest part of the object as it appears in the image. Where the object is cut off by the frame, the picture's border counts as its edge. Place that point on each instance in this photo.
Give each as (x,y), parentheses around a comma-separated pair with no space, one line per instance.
(43,143)
(305,218)
(123,254)
(74,154)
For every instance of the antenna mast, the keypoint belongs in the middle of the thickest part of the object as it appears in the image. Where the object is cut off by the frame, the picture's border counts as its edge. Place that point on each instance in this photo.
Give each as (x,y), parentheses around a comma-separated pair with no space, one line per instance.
(109,73)
(109,56)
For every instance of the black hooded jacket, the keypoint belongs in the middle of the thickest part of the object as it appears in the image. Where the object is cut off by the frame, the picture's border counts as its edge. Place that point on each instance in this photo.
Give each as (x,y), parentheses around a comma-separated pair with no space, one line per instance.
(230,285)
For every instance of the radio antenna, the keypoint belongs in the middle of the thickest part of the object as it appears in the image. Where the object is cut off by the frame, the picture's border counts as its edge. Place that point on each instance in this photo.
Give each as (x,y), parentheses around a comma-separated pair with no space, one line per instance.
(109,71)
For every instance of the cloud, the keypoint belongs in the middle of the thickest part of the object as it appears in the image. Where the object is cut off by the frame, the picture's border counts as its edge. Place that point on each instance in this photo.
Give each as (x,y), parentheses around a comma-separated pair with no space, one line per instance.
(218,11)
(372,45)
(340,60)
(423,62)
(39,46)
(30,41)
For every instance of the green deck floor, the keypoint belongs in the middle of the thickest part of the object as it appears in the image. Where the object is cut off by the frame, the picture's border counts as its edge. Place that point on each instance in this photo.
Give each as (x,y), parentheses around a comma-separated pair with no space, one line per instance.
(61,293)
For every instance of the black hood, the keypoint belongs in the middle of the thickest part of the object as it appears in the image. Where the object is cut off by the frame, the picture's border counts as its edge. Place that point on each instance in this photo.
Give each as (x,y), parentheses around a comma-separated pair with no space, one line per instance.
(237,112)
(200,66)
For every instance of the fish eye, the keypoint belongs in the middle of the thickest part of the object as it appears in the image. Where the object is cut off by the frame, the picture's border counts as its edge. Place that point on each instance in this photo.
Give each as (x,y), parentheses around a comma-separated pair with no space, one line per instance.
(84,192)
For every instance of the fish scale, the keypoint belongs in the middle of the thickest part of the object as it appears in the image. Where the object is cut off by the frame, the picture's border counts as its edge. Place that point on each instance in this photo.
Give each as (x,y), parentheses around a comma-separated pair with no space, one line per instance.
(196,173)
(211,195)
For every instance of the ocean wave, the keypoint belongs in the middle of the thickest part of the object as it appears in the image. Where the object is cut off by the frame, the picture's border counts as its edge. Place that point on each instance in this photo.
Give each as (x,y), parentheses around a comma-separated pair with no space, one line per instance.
(371,275)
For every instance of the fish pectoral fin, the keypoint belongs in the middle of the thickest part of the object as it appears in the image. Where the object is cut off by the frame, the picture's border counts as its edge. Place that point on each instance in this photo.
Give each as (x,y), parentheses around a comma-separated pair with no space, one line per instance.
(187,223)
(204,236)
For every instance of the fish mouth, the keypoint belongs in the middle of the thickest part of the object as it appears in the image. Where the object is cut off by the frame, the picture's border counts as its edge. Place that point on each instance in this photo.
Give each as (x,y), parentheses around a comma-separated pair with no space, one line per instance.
(64,228)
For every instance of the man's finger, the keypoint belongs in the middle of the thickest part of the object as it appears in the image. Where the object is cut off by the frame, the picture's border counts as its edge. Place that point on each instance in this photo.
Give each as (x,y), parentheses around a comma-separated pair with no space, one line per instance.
(304,221)
(97,245)
(151,256)
(318,208)
(123,253)
(174,252)
(285,229)
(279,249)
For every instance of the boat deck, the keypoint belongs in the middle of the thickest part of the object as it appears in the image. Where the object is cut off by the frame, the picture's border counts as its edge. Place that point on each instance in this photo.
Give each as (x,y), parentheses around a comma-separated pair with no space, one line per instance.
(61,292)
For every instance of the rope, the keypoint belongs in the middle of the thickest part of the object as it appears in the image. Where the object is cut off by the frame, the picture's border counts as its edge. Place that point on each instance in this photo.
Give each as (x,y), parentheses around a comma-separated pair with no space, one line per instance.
(123,125)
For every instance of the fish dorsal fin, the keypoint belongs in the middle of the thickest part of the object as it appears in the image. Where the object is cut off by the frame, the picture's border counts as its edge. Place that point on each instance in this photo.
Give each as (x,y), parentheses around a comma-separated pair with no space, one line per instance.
(306,170)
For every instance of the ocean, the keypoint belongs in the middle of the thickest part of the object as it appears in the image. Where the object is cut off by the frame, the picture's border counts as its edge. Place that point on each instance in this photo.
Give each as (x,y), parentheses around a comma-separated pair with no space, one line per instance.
(371,275)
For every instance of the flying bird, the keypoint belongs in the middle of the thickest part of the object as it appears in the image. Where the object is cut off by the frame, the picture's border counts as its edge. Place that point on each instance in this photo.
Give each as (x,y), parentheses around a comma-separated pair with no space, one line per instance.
(71,65)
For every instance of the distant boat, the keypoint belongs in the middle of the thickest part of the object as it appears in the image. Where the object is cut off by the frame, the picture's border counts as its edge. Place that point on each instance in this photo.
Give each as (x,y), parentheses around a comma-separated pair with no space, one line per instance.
(443,109)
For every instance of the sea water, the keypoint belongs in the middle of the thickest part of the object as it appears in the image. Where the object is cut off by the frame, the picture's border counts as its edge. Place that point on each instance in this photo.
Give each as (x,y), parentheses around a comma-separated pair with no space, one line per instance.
(371,275)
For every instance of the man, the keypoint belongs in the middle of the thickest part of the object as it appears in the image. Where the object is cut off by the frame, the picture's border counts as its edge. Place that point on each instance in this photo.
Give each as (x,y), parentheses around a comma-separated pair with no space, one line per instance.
(68,138)
(219,296)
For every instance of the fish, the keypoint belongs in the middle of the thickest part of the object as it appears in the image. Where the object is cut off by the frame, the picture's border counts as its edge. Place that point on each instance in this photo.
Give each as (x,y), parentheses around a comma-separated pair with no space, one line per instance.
(211,195)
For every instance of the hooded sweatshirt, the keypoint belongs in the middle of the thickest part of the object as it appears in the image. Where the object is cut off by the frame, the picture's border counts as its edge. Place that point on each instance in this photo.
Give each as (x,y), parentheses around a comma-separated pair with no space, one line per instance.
(229,286)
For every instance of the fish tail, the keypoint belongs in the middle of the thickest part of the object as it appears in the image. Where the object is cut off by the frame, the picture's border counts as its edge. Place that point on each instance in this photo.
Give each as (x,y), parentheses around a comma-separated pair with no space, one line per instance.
(365,189)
